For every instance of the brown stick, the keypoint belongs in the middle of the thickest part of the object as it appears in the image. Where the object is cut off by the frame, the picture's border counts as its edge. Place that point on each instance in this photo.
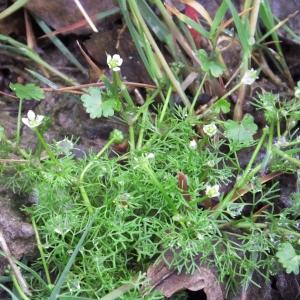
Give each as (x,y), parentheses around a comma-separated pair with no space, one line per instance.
(13,265)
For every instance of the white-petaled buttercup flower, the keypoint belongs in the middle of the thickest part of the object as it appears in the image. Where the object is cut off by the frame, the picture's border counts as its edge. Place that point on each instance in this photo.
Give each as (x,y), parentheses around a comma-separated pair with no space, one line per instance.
(249,77)
(210,163)
(177,218)
(193,144)
(210,129)
(212,191)
(150,156)
(114,62)
(32,119)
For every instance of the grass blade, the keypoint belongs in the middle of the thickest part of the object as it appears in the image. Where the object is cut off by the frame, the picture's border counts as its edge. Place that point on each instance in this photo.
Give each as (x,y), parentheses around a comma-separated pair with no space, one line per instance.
(13,296)
(118,292)
(42,78)
(11,9)
(60,46)
(55,293)
(27,52)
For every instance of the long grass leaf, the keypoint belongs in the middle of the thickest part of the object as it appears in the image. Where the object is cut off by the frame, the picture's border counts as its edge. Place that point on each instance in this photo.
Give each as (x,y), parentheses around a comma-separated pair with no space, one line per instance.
(42,78)
(29,53)
(242,29)
(55,293)
(11,9)
(138,41)
(60,46)
(118,292)
(219,16)
(156,25)
(13,296)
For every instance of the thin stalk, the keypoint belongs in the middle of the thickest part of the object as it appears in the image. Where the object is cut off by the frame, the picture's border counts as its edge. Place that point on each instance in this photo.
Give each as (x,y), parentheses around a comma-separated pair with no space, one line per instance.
(83,192)
(18,288)
(144,110)
(18,132)
(231,91)
(166,104)
(44,144)
(142,130)
(245,177)
(269,148)
(123,88)
(159,54)
(238,109)
(291,159)
(40,247)
(198,93)
(147,168)
(131,137)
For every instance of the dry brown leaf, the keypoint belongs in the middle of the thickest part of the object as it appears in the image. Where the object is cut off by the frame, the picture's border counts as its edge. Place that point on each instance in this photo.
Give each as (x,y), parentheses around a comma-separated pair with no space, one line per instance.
(169,282)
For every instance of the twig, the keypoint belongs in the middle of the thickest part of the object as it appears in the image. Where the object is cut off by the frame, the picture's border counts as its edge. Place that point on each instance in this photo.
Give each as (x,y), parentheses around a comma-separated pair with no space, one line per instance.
(14,267)
(86,16)
(100,84)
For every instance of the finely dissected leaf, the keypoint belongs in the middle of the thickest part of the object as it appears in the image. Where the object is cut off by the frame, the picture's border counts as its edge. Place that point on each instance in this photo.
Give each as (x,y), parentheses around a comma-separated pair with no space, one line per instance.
(92,101)
(241,132)
(28,91)
(288,257)
(222,106)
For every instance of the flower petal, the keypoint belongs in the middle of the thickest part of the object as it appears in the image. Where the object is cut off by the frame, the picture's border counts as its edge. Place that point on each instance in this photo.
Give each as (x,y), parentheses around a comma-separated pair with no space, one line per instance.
(31,115)
(26,122)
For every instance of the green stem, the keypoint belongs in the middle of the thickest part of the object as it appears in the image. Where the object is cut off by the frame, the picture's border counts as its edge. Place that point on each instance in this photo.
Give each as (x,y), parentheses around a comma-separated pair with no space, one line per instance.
(291,159)
(131,137)
(166,104)
(40,247)
(83,192)
(232,90)
(123,88)
(44,144)
(142,130)
(246,175)
(18,133)
(198,93)
(18,288)
(152,175)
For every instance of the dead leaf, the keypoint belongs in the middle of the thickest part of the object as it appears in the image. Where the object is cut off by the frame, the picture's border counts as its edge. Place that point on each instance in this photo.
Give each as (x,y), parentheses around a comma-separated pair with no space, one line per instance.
(169,282)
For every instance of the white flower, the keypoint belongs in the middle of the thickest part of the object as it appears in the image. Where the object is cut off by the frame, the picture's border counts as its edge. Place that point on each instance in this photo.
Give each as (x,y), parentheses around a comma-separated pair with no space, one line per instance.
(177,218)
(212,191)
(193,144)
(150,156)
(200,236)
(32,119)
(210,163)
(249,77)
(114,62)
(210,129)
